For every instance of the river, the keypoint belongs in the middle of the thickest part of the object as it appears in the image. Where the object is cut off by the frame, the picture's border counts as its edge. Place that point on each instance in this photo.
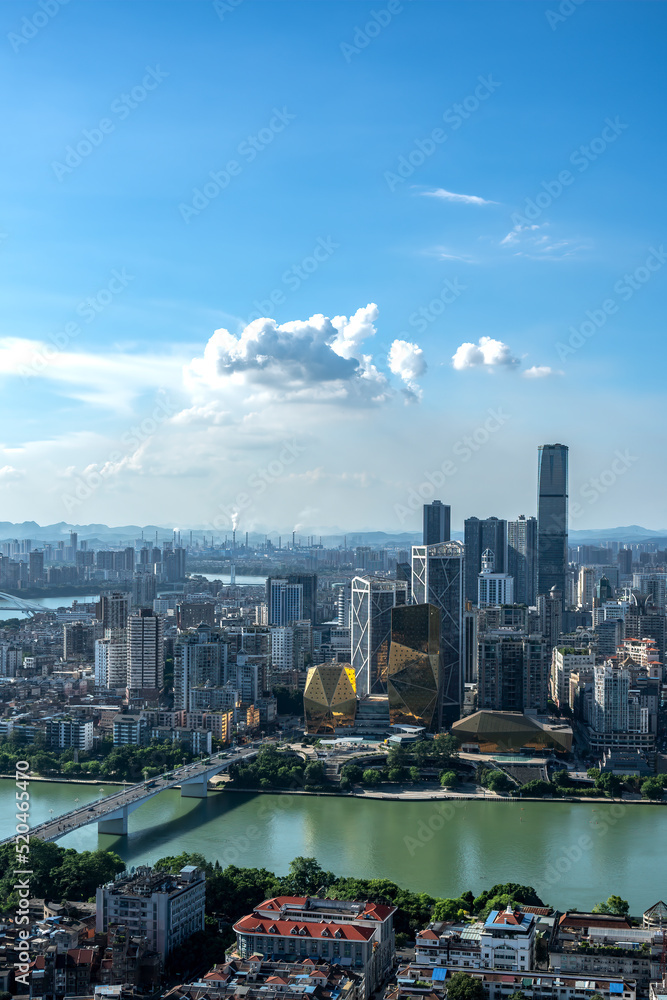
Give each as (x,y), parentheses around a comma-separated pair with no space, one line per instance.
(575,854)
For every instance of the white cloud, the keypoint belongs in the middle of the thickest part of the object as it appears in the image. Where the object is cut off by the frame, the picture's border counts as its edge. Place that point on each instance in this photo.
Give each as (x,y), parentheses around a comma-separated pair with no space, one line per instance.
(486,353)
(8,474)
(465,199)
(314,360)
(112,380)
(408,362)
(540,371)
(531,241)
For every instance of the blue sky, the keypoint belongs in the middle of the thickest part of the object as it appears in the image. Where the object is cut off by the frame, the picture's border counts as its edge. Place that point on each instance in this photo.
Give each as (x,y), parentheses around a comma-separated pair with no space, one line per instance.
(305,112)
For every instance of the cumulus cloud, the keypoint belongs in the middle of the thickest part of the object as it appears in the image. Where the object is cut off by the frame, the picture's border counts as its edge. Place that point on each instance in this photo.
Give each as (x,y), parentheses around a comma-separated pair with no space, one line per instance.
(540,371)
(408,362)
(318,359)
(8,474)
(464,199)
(487,352)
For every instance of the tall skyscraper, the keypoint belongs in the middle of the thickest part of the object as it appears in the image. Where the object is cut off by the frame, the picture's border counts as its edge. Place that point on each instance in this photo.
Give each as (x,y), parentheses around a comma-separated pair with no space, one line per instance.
(437,579)
(284,601)
(413,680)
(437,522)
(372,601)
(308,583)
(145,651)
(552,518)
(522,558)
(479,535)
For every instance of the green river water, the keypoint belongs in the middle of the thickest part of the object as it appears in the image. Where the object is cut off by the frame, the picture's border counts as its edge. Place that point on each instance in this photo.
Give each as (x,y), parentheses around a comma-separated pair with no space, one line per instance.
(575,854)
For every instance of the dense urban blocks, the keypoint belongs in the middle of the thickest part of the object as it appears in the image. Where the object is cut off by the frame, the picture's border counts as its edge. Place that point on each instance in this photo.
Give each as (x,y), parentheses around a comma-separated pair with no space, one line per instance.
(330,697)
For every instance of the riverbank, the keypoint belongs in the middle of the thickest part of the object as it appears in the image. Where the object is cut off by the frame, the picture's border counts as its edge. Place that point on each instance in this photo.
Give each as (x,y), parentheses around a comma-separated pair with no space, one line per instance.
(434,795)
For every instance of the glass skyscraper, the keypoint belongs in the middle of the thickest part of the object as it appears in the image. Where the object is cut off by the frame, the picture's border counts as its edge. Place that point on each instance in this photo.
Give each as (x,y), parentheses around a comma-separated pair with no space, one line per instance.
(437,523)
(552,518)
(413,677)
(437,579)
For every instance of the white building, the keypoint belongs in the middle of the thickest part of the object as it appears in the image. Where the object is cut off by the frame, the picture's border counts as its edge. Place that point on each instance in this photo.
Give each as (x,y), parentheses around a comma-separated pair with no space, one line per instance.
(372,601)
(145,651)
(565,660)
(508,940)
(282,647)
(610,709)
(493,588)
(166,909)
(111,660)
(62,734)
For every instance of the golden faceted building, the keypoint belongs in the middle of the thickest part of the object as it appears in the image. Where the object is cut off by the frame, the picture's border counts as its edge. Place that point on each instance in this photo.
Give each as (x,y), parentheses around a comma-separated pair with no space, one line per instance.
(413,673)
(330,697)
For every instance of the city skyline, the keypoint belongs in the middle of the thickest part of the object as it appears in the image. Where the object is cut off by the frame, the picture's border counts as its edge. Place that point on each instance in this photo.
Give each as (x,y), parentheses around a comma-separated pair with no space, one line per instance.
(462,298)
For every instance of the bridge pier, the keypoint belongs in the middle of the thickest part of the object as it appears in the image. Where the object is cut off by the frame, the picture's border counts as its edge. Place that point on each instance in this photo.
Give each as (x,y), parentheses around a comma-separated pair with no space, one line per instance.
(116,824)
(196,788)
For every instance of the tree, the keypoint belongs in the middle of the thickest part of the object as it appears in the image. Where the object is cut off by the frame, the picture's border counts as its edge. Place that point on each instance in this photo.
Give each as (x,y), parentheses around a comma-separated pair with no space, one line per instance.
(448,779)
(396,774)
(615,905)
(449,909)
(352,772)
(314,773)
(609,783)
(517,995)
(371,776)
(498,782)
(306,878)
(652,788)
(593,772)
(537,787)
(463,987)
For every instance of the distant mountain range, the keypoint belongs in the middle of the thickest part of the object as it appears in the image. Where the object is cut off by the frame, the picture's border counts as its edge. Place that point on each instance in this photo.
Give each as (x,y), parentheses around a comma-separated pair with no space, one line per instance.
(332,537)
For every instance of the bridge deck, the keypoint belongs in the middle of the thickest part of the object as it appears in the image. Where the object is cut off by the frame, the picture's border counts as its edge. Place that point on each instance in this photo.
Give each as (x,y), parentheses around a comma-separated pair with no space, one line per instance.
(120,803)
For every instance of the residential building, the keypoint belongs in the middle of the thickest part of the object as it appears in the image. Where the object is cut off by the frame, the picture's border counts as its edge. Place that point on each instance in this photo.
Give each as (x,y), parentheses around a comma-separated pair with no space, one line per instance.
(63,734)
(493,588)
(145,651)
(522,558)
(480,535)
(284,601)
(565,660)
(200,659)
(165,909)
(513,671)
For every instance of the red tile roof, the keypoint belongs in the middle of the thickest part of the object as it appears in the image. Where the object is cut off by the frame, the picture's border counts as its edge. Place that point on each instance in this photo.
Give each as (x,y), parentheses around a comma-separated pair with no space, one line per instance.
(372,911)
(312,929)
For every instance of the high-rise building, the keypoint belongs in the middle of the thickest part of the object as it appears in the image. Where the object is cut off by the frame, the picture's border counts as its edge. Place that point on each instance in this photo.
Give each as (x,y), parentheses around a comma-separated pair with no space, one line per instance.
(111,660)
(145,651)
(479,535)
(113,610)
(610,709)
(550,612)
(522,558)
(493,588)
(200,658)
(437,579)
(437,523)
(372,601)
(165,909)
(513,671)
(284,601)
(565,661)
(586,587)
(308,584)
(624,560)
(36,568)
(552,518)
(413,679)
